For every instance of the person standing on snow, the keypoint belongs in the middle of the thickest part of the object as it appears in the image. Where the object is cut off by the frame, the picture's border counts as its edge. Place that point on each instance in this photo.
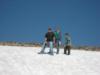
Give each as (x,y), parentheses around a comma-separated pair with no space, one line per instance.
(57,39)
(49,40)
(67,46)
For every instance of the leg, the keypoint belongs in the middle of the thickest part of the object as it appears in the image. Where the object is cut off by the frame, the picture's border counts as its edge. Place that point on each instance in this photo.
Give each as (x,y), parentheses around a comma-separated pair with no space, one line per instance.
(69,50)
(43,47)
(57,47)
(51,47)
(65,49)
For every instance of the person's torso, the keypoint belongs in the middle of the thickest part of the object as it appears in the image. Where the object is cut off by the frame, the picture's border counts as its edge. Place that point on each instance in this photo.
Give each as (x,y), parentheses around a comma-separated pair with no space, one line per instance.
(50,36)
(58,35)
(67,40)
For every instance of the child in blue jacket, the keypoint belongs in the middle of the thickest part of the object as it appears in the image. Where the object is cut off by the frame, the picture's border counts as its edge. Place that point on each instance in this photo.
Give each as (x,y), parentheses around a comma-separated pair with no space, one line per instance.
(67,46)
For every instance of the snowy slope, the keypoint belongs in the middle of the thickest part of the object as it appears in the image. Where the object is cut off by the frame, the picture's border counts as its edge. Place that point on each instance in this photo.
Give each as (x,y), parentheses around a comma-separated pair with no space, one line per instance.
(27,61)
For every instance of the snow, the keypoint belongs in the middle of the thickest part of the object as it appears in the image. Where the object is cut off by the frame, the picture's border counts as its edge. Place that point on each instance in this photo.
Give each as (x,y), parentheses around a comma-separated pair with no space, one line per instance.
(26,61)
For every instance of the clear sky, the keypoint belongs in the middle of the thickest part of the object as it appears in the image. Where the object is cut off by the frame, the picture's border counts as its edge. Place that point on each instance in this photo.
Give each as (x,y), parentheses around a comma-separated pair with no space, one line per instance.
(28,20)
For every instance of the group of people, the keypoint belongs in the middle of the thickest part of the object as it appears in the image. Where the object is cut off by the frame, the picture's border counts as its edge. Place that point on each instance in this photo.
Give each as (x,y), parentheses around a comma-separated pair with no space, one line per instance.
(53,39)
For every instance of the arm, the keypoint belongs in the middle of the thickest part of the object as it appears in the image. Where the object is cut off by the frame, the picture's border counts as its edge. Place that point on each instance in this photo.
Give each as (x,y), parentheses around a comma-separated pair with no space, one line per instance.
(60,36)
(54,38)
(69,41)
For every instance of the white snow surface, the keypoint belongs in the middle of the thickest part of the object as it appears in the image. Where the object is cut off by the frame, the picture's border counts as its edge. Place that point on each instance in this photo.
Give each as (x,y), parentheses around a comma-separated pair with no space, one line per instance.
(16,60)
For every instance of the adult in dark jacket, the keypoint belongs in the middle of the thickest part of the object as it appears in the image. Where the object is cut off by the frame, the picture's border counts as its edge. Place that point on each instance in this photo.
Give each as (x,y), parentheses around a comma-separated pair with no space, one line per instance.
(49,40)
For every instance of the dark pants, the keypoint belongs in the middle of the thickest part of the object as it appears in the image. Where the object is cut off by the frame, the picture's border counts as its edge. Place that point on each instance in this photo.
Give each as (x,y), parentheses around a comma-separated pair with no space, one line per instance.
(58,45)
(67,50)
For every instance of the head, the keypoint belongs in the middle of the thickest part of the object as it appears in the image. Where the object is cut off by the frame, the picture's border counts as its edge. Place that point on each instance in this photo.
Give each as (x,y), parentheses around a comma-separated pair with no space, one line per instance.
(58,29)
(49,29)
(67,34)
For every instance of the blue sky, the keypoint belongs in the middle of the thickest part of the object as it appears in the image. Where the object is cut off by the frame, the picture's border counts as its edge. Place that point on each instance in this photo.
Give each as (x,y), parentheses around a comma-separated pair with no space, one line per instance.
(28,20)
